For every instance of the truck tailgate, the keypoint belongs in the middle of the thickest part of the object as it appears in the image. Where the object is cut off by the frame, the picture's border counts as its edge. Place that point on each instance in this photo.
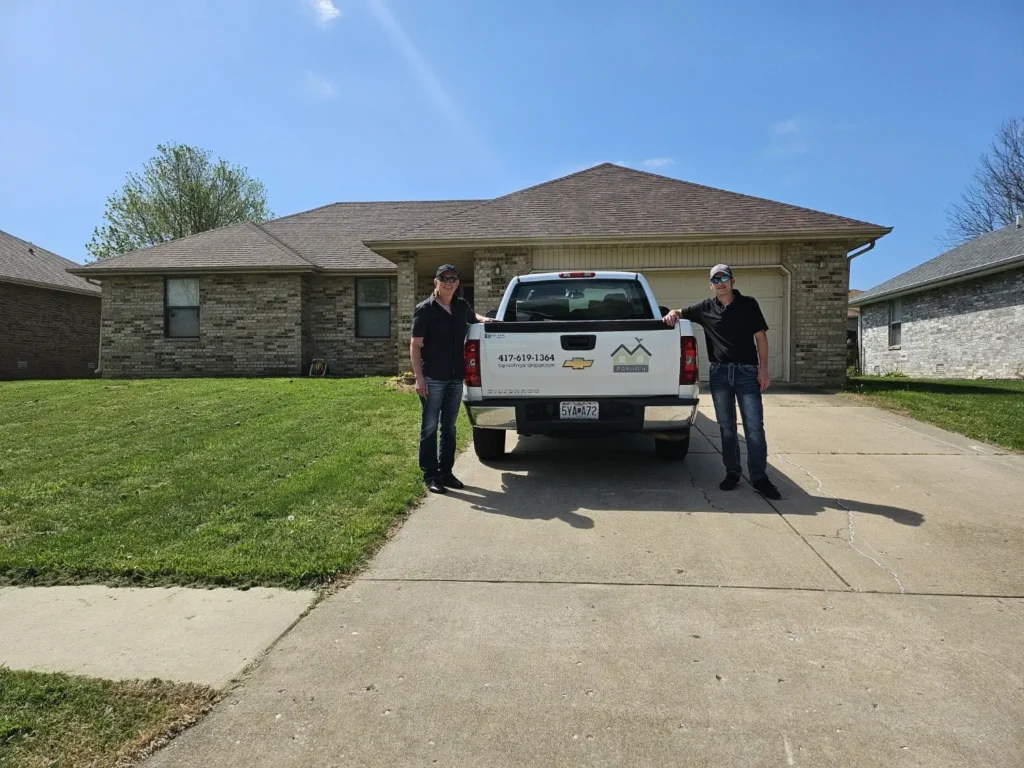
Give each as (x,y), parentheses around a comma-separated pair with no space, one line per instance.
(605,358)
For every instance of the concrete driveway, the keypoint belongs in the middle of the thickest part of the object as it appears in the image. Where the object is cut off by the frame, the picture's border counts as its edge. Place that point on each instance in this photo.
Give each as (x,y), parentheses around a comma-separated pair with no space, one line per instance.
(581,604)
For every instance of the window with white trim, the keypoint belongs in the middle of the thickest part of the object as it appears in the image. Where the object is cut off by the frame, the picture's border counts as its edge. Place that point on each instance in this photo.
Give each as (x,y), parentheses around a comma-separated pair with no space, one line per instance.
(181,307)
(373,307)
(895,323)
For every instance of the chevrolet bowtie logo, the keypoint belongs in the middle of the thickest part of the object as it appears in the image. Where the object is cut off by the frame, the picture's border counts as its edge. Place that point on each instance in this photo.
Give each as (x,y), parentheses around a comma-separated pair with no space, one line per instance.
(577,363)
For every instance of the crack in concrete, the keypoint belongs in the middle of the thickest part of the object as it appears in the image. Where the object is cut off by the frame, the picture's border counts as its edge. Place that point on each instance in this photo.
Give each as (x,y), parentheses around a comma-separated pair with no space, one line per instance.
(851,538)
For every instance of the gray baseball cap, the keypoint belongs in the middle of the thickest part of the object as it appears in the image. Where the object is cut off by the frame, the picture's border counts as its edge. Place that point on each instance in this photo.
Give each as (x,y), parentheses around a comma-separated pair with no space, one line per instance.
(721,268)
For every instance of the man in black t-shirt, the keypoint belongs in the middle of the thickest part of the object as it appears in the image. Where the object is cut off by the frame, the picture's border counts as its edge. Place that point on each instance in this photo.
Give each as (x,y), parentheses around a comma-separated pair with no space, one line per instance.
(737,341)
(437,349)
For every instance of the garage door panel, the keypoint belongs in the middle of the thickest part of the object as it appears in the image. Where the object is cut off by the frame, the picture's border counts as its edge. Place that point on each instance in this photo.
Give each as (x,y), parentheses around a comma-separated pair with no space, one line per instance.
(681,289)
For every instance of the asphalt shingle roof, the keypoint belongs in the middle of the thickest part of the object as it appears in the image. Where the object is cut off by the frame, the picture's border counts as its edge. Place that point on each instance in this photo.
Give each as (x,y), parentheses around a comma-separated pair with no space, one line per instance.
(610,201)
(23,262)
(984,252)
(604,201)
(332,237)
(328,238)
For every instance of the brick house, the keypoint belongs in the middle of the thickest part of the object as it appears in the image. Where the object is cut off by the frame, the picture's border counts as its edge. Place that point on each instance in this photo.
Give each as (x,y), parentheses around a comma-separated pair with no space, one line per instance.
(340,282)
(49,320)
(960,315)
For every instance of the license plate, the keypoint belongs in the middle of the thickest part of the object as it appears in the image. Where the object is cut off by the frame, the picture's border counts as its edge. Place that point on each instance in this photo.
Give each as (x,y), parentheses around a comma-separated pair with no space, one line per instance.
(578,410)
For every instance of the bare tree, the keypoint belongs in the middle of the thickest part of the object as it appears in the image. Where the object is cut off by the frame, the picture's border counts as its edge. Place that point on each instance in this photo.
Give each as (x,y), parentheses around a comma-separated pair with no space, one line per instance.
(996,194)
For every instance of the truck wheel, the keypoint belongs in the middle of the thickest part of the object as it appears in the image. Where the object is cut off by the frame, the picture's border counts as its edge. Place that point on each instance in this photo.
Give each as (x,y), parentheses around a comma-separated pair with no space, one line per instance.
(489,443)
(672,450)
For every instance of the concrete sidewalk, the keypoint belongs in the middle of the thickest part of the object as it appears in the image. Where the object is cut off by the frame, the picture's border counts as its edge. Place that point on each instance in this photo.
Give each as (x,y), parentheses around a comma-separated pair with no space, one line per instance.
(585,605)
(203,636)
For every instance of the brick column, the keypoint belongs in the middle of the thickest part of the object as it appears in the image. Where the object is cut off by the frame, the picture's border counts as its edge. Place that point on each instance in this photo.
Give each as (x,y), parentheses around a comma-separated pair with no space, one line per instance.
(492,271)
(820,283)
(404,305)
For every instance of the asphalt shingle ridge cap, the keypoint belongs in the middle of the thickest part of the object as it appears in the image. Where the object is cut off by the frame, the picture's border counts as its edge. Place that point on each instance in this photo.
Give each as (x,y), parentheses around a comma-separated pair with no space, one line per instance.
(281,245)
(412,231)
(112,259)
(371,202)
(879,291)
(755,198)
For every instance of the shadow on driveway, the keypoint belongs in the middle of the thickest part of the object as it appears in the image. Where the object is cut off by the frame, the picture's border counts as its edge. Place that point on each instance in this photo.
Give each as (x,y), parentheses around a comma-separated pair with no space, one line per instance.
(549,479)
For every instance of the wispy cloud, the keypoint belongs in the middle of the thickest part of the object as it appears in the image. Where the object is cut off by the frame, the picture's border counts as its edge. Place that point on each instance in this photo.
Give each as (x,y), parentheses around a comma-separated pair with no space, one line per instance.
(320,86)
(326,11)
(659,162)
(787,138)
(423,72)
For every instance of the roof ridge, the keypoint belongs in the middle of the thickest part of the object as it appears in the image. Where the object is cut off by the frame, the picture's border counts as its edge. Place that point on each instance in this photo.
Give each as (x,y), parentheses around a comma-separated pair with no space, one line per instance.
(281,244)
(168,242)
(368,202)
(741,194)
(482,203)
(38,247)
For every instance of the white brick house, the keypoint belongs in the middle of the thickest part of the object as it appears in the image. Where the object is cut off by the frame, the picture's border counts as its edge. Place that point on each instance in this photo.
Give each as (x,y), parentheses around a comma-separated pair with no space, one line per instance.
(960,315)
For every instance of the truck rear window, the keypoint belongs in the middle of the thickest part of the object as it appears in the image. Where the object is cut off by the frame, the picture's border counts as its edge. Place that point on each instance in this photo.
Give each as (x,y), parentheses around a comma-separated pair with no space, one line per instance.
(578,299)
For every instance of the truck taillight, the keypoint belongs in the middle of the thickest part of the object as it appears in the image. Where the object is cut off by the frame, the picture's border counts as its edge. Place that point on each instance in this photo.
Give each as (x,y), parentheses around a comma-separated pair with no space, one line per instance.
(687,360)
(577,274)
(473,364)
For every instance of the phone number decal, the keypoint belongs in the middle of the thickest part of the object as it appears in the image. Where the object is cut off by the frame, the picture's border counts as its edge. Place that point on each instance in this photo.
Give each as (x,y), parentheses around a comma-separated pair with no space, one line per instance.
(527,358)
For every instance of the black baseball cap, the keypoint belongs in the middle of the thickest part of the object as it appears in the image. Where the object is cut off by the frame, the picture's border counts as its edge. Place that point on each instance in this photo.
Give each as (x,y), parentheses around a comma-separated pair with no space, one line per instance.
(446,268)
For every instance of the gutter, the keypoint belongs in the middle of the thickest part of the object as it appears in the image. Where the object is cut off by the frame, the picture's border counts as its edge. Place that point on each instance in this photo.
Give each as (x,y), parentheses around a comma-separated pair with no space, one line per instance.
(938,282)
(862,251)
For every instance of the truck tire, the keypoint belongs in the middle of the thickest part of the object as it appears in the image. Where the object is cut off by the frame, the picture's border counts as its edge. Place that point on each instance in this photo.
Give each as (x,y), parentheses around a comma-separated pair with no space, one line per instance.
(672,450)
(489,443)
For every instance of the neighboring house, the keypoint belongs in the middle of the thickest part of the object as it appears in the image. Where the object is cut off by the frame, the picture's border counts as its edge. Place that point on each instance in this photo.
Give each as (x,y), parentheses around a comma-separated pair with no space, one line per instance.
(49,320)
(340,282)
(960,315)
(852,329)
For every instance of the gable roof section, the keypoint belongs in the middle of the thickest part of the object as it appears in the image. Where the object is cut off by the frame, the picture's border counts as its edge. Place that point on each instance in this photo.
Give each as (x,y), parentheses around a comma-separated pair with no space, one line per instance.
(27,264)
(327,238)
(993,250)
(609,201)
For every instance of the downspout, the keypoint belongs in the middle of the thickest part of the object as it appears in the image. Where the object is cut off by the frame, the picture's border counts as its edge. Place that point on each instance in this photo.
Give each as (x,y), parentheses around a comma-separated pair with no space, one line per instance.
(860,314)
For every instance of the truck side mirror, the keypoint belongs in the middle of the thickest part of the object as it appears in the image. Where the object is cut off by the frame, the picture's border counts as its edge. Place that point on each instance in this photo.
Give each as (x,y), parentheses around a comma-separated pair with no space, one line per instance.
(492,313)
(664,310)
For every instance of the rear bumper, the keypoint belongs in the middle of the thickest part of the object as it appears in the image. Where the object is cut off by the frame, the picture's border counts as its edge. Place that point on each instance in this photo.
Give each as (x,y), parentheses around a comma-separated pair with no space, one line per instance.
(667,416)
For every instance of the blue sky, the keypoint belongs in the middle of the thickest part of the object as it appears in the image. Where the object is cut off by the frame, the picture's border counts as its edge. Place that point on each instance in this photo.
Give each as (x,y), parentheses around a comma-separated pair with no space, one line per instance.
(876,110)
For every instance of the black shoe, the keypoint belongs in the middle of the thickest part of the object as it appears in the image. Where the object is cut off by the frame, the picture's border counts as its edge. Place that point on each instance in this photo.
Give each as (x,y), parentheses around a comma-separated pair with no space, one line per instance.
(730,482)
(767,489)
(434,485)
(451,481)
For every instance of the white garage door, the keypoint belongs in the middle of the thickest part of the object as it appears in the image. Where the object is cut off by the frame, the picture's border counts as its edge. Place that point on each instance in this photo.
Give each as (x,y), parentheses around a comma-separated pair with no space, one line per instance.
(768,286)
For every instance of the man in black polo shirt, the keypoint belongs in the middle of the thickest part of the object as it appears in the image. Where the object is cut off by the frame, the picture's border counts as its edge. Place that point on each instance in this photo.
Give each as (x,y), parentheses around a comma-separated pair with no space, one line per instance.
(437,349)
(737,341)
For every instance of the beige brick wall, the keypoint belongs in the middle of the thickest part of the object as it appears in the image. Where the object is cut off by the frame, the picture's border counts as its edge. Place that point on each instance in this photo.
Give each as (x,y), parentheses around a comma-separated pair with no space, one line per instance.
(250,325)
(329,316)
(492,272)
(818,311)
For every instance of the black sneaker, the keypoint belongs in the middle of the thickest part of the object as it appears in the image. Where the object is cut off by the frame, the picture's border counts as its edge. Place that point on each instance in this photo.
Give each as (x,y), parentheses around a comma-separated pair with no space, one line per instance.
(451,481)
(434,485)
(730,482)
(767,489)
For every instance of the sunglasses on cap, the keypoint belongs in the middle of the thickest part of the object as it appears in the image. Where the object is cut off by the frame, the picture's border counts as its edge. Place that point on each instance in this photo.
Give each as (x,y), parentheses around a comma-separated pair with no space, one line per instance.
(720,279)
(448,279)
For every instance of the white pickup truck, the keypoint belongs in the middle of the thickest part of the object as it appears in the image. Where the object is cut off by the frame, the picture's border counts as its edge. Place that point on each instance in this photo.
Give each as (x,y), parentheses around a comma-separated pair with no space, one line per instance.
(578,354)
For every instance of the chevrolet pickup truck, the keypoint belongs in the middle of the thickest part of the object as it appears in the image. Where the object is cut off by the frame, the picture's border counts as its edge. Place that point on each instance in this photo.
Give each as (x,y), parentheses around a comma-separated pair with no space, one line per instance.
(581,354)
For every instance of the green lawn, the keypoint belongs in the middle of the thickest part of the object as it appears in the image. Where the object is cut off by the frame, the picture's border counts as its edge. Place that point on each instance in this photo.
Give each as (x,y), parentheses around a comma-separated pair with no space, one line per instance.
(992,411)
(201,481)
(51,720)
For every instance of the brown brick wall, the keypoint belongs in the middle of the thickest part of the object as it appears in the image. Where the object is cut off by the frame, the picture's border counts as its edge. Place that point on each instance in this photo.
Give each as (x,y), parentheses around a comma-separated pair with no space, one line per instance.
(819,303)
(55,334)
(250,325)
(329,316)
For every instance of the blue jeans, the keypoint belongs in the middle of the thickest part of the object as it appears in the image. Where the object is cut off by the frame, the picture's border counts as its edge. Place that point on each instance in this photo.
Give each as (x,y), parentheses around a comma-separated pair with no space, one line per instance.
(732,382)
(440,408)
